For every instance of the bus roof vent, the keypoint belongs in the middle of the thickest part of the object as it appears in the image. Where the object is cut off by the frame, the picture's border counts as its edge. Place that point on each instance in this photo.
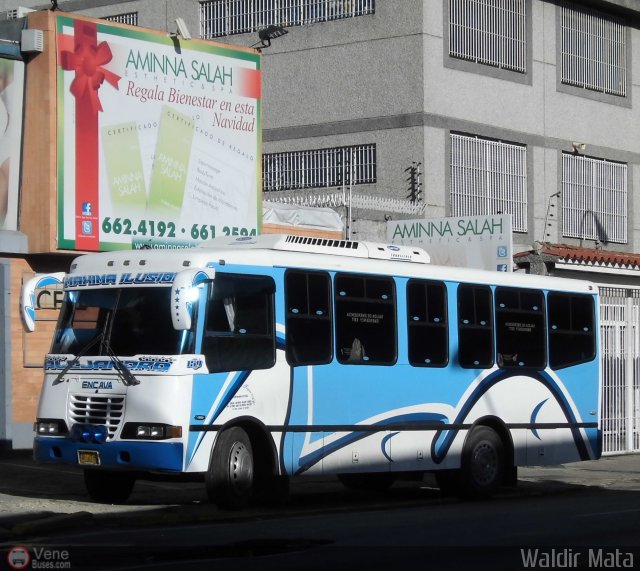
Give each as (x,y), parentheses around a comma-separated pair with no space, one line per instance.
(306,241)
(355,249)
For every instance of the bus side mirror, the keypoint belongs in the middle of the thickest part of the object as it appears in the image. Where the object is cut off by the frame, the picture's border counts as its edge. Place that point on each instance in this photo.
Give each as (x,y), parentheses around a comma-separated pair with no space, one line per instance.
(184,292)
(28,297)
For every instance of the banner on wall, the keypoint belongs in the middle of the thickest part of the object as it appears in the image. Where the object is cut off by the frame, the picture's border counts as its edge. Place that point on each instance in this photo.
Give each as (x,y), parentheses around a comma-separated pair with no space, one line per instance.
(481,242)
(11,104)
(158,139)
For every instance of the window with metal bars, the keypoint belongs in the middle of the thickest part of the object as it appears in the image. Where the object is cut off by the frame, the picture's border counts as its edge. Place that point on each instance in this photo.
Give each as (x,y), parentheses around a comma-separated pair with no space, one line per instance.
(594,199)
(130,18)
(227,17)
(489,177)
(319,168)
(489,32)
(594,51)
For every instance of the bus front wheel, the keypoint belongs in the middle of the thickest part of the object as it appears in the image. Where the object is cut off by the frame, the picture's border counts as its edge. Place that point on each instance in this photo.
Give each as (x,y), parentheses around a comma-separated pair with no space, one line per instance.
(229,481)
(482,469)
(107,486)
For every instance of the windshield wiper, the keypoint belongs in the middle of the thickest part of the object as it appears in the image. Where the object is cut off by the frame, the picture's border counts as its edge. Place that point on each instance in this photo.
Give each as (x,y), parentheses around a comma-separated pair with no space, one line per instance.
(73,361)
(127,377)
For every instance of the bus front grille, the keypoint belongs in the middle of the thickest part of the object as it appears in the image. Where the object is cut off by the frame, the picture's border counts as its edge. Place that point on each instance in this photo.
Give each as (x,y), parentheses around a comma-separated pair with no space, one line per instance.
(107,410)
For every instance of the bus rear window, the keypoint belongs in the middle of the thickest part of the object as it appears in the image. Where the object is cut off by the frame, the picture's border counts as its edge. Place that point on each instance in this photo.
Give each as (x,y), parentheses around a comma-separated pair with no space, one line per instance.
(572,338)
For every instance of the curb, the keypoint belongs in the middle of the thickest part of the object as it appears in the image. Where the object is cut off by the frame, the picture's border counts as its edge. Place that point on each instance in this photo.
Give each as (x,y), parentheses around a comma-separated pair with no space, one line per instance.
(54,522)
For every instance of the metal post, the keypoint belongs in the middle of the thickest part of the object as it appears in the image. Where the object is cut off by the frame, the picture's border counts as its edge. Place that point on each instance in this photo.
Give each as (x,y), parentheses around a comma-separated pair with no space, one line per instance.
(629,370)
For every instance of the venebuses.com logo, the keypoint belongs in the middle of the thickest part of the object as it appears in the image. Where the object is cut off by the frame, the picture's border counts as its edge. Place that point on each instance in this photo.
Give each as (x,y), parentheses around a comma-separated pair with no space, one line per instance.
(20,557)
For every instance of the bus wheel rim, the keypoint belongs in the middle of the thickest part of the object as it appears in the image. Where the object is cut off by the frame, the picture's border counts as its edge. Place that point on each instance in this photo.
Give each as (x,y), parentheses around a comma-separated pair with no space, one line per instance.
(240,468)
(485,463)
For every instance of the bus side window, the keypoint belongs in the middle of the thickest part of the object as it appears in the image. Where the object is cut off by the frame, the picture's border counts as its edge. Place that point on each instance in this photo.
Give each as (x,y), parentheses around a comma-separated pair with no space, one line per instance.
(239,324)
(475,327)
(520,328)
(365,319)
(427,323)
(572,338)
(308,318)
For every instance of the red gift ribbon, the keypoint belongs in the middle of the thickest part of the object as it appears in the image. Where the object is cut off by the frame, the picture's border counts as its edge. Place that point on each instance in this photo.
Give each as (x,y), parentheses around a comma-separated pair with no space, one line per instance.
(87,59)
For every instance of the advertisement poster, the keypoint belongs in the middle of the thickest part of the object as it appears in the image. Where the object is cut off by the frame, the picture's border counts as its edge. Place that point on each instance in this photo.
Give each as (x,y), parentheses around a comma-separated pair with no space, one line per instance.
(481,242)
(158,139)
(11,103)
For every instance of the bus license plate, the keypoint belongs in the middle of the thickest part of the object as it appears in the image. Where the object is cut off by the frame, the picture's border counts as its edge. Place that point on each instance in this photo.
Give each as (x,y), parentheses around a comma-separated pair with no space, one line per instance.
(88,457)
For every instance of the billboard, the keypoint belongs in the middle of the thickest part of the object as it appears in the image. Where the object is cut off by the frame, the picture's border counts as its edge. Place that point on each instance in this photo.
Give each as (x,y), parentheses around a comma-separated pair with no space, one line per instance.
(158,138)
(481,242)
(11,104)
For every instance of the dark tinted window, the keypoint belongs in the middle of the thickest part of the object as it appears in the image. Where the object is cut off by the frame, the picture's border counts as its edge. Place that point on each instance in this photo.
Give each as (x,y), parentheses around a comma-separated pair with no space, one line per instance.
(427,323)
(572,337)
(520,328)
(365,319)
(475,326)
(308,317)
(239,325)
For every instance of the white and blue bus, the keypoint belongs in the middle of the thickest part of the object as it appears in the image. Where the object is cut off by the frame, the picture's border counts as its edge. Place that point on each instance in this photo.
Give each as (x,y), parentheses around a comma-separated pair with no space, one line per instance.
(248,361)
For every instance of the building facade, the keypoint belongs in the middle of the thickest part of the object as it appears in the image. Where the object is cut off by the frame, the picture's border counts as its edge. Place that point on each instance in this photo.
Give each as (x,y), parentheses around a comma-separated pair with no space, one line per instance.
(403,109)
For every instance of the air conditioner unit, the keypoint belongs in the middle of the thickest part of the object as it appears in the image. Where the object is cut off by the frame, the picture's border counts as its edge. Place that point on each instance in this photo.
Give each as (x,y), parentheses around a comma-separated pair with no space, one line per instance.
(19,12)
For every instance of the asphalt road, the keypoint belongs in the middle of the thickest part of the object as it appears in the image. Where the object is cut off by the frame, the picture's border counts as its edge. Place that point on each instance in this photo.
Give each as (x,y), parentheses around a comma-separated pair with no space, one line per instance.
(586,513)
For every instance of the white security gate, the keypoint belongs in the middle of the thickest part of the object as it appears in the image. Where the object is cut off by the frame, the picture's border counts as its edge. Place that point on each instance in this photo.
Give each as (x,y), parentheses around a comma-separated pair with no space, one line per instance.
(620,348)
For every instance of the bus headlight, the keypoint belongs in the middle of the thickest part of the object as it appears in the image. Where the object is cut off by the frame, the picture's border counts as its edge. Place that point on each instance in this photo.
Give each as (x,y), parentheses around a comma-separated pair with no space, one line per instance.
(50,427)
(150,431)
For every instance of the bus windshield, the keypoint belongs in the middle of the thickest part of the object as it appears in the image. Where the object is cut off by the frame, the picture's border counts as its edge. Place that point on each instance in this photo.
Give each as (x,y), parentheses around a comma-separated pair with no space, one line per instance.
(129,321)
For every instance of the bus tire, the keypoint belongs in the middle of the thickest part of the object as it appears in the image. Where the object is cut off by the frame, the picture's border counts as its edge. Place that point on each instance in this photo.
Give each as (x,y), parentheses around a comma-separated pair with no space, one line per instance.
(230,479)
(368,482)
(482,470)
(106,486)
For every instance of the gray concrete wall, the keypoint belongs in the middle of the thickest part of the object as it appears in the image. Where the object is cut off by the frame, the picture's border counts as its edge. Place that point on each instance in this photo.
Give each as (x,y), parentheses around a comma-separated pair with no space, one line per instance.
(387,79)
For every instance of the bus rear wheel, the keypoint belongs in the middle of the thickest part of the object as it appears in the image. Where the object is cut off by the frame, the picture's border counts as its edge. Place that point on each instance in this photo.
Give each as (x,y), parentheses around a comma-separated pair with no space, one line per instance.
(230,478)
(107,486)
(483,468)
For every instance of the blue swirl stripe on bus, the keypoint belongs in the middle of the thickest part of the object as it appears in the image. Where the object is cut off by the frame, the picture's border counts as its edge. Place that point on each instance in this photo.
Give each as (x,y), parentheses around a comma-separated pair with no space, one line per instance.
(534,415)
(383,445)
(231,391)
(429,418)
(443,439)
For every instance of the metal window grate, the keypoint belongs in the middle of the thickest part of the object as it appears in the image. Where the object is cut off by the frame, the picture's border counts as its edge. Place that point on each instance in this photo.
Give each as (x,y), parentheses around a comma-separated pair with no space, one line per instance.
(319,168)
(594,52)
(227,17)
(489,177)
(594,199)
(620,352)
(490,32)
(130,18)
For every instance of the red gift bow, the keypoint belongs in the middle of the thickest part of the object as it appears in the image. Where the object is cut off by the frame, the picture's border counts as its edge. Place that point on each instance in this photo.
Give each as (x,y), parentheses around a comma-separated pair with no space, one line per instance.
(87,61)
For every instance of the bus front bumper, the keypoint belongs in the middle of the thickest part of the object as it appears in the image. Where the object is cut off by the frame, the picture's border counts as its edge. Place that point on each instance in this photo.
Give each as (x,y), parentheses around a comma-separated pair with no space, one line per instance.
(163,456)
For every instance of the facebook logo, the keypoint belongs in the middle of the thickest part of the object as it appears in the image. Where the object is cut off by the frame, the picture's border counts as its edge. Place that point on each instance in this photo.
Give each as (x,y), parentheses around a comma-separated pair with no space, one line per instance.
(502,251)
(87,227)
(501,267)
(87,209)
